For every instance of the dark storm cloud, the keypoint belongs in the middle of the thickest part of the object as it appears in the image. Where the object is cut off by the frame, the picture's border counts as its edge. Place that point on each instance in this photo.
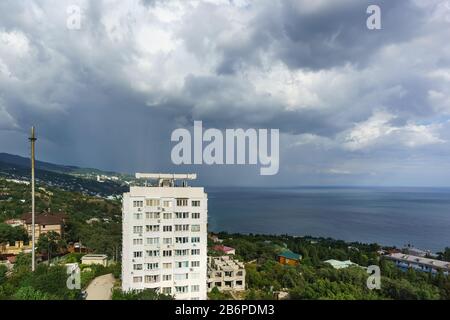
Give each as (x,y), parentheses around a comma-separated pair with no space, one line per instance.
(330,35)
(351,103)
(337,34)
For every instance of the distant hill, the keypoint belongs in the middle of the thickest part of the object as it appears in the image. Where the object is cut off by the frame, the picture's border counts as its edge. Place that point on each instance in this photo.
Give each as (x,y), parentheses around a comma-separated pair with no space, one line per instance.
(25,162)
(65,177)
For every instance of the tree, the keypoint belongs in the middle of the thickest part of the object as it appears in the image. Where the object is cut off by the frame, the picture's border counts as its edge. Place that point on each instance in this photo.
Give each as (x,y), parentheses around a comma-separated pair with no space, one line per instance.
(50,280)
(29,293)
(23,261)
(3,271)
(11,234)
(216,294)
(446,254)
(49,243)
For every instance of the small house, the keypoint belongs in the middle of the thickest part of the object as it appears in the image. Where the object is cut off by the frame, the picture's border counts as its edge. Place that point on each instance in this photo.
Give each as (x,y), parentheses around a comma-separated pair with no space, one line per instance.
(289,258)
(90,259)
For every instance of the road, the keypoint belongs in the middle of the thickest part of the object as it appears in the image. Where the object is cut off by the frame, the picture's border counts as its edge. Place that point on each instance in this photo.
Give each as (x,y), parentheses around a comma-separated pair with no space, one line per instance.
(100,288)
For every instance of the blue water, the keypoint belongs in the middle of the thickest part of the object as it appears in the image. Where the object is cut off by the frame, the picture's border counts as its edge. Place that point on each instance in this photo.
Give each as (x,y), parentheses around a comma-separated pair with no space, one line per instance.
(388,216)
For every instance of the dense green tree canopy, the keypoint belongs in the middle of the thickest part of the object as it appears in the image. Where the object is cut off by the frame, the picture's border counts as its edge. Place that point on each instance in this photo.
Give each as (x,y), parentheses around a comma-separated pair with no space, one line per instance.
(11,234)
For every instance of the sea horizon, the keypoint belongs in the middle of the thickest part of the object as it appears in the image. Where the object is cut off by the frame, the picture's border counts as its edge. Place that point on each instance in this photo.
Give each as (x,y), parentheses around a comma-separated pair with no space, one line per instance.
(389,216)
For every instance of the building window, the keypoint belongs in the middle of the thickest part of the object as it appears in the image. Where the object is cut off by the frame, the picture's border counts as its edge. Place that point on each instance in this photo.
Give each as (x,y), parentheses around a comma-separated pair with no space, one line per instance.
(152,228)
(181,276)
(152,266)
(195,288)
(167,265)
(181,227)
(151,241)
(152,253)
(137,279)
(152,215)
(167,228)
(167,253)
(195,264)
(167,277)
(195,252)
(181,239)
(182,264)
(137,266)
(167,203)
(196,203)
(195,215)
(137,215)
(137,254)
(181,215)
(167,290)
(183,252)
(195,228)
(195,239)
(151,279)
(181,289)
(152,202)
(182,202)
(137,241)
(138,204)
(137,229)
(167,215)
(167,240)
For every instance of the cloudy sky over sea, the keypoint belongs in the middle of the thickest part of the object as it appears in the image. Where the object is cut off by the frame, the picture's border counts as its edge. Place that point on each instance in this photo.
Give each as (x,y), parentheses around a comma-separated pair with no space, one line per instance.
(353,105)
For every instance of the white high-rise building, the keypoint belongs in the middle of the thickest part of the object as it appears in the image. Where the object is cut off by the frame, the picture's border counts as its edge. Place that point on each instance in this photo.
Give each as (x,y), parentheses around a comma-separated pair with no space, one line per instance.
(165,237)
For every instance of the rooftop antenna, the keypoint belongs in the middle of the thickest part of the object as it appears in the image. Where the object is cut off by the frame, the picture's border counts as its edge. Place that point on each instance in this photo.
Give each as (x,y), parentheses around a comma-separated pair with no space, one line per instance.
(33,141)
(167,179)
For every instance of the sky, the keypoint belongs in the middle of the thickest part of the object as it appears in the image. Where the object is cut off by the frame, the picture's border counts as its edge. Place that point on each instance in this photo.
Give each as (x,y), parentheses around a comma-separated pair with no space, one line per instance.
(353,106)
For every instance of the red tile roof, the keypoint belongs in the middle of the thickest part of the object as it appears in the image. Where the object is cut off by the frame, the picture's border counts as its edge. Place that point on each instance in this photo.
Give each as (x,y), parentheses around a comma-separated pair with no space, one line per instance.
(45,218)
(223,248)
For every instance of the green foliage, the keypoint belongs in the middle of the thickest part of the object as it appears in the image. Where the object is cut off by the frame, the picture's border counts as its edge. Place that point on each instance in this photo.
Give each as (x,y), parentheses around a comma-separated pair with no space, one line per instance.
(100,237)
(146,294)
(216,294)
(23,262)
(51,243)
(51,280)
(253,294)
(11,234)
(328,283)
(116,270)
(29,293)
(3,271)
(73,257)
(46,283)
(313,279)
(445,255)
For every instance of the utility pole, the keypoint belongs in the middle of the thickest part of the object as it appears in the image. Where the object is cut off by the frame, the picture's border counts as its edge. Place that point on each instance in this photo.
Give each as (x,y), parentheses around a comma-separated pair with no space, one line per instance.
(33,250)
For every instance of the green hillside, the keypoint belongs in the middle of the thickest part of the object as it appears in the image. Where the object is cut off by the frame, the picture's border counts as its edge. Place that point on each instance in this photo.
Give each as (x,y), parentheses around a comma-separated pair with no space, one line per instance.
(68,178)
(102,236)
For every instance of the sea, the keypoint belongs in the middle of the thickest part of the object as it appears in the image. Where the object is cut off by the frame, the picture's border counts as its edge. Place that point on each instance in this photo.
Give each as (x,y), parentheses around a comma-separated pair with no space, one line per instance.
(391,216)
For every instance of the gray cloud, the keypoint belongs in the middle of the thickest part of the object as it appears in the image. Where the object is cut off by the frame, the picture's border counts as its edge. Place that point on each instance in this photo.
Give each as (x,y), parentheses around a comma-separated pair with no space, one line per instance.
(110,94)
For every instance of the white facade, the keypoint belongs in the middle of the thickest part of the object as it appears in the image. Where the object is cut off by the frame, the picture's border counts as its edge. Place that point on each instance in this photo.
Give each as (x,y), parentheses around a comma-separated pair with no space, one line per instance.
(405,261)
(165,241)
